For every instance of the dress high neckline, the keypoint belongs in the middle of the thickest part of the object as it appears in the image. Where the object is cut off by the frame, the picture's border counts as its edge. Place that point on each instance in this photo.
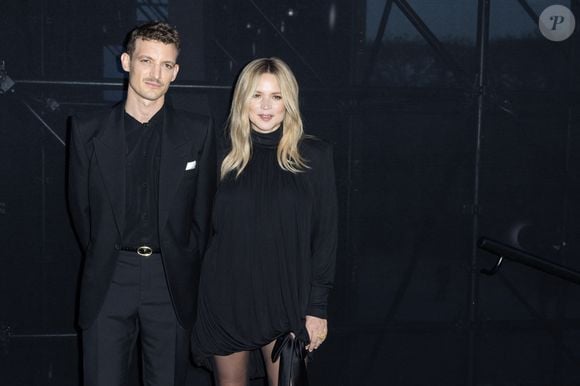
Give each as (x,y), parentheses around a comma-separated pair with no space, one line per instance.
(266,139)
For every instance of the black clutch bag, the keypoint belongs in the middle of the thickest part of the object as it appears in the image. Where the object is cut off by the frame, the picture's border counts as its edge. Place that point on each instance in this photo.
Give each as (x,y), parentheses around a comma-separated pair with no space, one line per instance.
(293,357)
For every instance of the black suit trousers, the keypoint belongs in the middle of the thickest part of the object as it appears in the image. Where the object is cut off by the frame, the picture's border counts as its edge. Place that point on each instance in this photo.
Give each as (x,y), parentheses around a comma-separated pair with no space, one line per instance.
(137,310)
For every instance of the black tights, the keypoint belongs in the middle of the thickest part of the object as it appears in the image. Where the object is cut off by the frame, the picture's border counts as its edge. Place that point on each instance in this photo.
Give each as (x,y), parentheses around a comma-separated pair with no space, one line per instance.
(232,370)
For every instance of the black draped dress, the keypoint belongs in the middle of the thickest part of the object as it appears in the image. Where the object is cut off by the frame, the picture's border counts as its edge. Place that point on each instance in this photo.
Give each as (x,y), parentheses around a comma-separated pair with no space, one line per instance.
(271,257)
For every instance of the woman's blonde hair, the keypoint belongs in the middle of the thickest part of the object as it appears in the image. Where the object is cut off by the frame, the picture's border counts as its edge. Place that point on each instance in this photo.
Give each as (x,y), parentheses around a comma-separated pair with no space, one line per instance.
(239,126)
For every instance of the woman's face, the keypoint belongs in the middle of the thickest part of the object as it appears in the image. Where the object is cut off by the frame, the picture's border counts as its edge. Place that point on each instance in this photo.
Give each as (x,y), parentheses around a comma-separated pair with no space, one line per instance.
(266,106)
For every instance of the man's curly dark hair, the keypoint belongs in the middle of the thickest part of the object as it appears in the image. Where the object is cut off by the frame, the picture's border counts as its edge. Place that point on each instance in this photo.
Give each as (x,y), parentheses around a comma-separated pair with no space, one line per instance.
(158,31)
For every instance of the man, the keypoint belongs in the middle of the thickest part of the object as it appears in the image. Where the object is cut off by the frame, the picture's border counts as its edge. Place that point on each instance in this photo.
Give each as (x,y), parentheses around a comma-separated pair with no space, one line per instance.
(141,181)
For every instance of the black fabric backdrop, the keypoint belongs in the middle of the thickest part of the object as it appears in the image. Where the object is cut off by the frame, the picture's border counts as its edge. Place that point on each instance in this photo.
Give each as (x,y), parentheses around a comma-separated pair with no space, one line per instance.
(443,134)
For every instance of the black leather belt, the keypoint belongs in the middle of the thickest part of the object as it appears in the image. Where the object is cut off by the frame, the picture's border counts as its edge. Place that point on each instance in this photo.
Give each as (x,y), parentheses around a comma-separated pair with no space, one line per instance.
(143,250)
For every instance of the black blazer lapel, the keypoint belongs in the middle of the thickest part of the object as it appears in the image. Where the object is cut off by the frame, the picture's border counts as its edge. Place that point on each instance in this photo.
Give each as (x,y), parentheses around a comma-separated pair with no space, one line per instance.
(174,158)
(110,150)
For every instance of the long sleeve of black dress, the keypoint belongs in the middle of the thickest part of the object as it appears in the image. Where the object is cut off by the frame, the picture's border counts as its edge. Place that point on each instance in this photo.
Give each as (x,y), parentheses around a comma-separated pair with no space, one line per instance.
(324,232)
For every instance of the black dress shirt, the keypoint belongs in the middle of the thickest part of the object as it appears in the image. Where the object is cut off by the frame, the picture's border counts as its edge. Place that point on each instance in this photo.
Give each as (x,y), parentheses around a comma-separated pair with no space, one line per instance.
(142,181)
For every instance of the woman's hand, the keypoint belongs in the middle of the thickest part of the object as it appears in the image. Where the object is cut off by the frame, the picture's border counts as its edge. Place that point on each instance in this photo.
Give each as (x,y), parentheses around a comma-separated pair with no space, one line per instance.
(317,329)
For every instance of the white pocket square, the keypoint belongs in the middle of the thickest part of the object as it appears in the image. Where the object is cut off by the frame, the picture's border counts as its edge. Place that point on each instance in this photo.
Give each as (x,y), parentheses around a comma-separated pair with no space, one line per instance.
(190,165)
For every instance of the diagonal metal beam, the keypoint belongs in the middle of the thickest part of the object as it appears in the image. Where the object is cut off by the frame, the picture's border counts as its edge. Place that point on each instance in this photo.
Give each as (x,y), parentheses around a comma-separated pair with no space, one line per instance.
(531,13)
(288,43)
(378,41)
(224,50)
(50,130)
(535,18)
(432,40)
(151,12)
(156,8)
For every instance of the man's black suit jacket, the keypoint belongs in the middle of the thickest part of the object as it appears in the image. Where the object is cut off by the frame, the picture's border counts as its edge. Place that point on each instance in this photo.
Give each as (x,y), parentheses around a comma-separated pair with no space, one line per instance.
(96,190)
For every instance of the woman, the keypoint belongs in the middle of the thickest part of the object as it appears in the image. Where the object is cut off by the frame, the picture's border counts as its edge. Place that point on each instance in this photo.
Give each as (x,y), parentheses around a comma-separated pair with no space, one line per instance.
(270,261)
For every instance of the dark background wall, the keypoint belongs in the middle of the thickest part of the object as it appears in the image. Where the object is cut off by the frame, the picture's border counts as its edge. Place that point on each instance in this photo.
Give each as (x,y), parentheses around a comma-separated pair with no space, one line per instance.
(451,119)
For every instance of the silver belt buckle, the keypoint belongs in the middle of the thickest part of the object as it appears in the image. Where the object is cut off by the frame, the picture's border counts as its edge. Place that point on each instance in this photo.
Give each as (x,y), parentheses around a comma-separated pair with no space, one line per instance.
(144,251)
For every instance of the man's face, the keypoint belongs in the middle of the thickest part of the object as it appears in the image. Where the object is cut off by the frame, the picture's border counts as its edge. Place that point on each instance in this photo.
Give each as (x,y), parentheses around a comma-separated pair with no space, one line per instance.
(151,67)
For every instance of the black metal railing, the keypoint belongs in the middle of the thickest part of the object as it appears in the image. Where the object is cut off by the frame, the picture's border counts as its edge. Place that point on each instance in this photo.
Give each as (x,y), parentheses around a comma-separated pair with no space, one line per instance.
(504,251)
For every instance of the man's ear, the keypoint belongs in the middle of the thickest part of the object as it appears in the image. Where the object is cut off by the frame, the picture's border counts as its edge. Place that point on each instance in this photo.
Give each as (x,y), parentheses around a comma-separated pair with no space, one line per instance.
(125,61)
(175,71)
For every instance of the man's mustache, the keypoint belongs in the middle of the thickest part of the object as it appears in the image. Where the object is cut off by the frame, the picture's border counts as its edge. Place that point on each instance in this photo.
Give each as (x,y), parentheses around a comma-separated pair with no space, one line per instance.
(153,80)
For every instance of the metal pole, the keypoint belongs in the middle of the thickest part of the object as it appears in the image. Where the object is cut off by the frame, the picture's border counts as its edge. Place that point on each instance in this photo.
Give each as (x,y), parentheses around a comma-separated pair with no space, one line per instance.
(345,364)
(114,84)
(482,42)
